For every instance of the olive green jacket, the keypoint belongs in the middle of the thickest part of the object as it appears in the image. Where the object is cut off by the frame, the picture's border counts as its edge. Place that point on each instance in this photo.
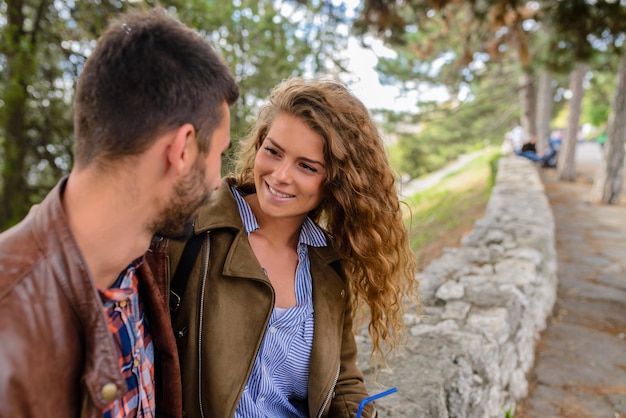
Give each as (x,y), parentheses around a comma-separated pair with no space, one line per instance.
(225,310)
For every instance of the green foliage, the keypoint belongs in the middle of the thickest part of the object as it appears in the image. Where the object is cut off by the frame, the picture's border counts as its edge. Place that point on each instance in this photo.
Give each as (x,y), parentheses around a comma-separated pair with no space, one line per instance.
(596,105)
(261,45)
(439,47)
(569,31)
(493,169)
(455,128)
(448,42)
(581,29)
(44,45)
(453,202)
(264,42)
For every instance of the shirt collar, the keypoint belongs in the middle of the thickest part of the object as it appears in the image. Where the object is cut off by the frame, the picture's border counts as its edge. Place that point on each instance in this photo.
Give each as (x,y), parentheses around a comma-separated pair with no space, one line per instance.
(310,233)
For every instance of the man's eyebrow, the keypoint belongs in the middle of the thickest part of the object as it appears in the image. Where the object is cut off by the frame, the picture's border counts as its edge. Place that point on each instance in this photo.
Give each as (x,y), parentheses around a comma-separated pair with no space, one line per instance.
(308,160)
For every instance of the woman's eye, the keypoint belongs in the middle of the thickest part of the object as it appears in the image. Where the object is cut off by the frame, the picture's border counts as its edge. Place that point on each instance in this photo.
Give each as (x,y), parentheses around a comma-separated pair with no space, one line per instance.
(271,150)
(308,167)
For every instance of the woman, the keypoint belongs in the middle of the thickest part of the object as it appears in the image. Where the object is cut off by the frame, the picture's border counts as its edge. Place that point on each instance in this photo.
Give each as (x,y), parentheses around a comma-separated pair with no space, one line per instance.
(308,230)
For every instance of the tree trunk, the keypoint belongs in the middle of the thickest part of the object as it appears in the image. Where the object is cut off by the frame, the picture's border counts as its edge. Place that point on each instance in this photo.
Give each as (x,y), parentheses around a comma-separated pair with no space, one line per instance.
(566,164)
(545,104)
(607,184)
(528,102)
(15,199)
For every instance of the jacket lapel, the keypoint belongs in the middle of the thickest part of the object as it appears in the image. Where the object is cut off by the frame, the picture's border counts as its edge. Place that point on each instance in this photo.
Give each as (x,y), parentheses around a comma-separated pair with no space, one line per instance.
(328,303)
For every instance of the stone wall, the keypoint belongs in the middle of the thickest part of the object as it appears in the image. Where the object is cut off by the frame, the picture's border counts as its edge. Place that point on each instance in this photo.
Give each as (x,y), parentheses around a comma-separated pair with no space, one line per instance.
(484,305)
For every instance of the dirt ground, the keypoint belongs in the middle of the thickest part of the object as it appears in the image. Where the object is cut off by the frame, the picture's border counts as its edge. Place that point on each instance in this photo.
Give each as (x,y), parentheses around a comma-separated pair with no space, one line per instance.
(580,369)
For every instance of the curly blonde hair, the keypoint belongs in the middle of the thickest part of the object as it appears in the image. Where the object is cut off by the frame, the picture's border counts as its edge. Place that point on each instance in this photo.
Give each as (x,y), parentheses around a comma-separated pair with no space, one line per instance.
(360,209)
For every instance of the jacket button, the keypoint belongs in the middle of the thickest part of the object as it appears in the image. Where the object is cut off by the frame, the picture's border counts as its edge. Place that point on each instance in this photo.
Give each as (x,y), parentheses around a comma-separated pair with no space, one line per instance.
(109,391)
(343,293)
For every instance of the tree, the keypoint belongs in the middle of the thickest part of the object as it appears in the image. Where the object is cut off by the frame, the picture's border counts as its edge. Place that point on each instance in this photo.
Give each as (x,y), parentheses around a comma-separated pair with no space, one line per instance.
(266,41)
(545,105)
(19,50)
(589,29)
(528,103)
(455,127)
(607,185)
(566,165)
(45,44)
(460,39)
(602,82)
(576,31)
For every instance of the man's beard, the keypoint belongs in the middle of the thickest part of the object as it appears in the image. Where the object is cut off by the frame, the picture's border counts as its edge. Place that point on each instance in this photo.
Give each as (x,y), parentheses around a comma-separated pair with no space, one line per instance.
(177,219)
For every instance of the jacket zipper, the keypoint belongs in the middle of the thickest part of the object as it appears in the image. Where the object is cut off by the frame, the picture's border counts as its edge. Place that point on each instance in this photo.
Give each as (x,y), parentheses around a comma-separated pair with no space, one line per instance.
(330,393)
(204,276)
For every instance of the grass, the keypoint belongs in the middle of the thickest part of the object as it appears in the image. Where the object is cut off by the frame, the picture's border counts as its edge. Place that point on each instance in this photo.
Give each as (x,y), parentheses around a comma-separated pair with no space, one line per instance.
(440,215)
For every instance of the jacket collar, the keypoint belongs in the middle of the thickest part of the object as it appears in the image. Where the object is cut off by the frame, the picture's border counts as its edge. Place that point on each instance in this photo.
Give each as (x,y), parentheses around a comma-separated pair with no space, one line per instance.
(54,239)
(221,212)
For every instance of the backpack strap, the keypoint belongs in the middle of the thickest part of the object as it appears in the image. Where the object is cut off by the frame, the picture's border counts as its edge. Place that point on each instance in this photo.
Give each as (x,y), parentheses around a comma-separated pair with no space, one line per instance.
(183,270)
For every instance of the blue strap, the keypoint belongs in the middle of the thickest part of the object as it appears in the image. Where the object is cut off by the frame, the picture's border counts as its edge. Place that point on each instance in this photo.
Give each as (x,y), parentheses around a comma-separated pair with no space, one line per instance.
(373,398)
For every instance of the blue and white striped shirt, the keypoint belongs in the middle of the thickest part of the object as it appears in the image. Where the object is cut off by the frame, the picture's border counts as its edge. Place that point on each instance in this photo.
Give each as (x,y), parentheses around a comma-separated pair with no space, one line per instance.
(278,384)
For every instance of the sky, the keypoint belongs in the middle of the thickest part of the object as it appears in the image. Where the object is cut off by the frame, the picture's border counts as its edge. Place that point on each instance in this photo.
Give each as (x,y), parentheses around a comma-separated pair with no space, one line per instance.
(363,79)
(365,82)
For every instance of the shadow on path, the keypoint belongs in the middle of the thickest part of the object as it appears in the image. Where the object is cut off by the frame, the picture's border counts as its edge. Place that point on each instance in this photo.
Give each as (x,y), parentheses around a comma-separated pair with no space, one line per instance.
(580,367)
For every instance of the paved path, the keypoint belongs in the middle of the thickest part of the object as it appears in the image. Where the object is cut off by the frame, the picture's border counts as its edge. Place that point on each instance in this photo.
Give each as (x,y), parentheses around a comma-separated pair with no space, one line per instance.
(422,183)
(580,369)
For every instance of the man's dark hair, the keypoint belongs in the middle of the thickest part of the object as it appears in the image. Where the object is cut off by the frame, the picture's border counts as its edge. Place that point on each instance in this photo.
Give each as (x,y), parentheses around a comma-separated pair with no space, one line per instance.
(148,74)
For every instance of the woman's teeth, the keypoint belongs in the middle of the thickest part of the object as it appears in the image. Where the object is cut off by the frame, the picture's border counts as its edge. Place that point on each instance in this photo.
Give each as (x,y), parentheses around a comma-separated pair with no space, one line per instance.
(277,193)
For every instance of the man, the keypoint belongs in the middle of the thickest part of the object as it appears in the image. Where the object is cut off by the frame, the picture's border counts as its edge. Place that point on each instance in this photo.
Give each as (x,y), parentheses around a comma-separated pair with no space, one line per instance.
(84,326)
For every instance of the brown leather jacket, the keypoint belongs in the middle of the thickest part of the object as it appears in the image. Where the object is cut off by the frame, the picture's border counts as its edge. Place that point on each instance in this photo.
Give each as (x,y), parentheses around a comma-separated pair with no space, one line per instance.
(57,357)
(225,311)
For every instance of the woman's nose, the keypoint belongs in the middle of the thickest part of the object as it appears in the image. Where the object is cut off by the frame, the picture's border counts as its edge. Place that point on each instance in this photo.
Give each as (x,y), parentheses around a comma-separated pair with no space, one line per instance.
(282,172)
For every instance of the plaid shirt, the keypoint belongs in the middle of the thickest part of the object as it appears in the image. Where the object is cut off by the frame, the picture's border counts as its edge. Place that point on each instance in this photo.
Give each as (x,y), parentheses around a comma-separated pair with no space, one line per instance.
(129,327)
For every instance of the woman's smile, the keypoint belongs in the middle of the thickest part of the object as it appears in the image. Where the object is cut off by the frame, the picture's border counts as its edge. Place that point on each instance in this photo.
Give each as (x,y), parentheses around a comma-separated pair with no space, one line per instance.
(289,169)
(277,193)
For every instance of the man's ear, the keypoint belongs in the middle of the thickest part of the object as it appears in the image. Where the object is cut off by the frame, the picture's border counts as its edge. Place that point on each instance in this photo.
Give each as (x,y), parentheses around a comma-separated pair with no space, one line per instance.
(183,149)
